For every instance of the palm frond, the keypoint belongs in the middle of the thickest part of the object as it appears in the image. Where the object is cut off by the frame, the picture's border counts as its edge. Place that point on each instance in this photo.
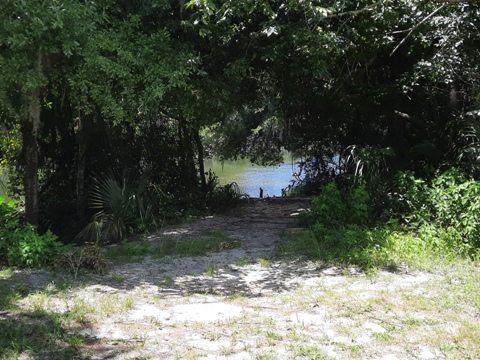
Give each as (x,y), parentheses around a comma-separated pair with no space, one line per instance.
(90,233)
(368,163)
(121,204)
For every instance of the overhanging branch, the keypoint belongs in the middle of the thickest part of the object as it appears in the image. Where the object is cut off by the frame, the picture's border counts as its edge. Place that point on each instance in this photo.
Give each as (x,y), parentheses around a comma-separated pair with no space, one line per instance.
(416,27)
(353,12)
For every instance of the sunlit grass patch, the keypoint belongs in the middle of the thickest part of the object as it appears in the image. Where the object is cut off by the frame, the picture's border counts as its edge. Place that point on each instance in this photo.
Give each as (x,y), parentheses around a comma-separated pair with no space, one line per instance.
(461,285)
(38,302)
(467,341)
(212,269)
(352,310)
(82,310)
(215,240)
(264,355)
(265,262)
(383,247)
(310,352)
(127,303)
(384,337)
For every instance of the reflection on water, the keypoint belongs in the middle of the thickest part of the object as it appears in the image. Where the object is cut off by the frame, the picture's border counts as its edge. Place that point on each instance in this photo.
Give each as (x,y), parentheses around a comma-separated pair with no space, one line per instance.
(250,178)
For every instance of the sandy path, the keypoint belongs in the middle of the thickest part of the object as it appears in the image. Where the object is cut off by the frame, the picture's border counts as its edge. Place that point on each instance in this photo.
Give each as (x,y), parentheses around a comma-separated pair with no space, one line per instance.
(257,226)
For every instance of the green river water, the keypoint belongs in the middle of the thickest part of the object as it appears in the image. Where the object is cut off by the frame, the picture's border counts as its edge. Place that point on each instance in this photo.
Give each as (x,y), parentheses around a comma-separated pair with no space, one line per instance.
(251,177)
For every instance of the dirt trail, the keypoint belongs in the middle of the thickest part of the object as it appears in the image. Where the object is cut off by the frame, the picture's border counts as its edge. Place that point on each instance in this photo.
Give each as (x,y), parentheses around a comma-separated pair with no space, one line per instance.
(257,226)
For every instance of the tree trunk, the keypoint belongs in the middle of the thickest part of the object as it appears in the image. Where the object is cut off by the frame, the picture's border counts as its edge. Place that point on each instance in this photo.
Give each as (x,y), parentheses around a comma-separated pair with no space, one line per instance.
(30,149)
(454,101)
(201,164)
(31,104)
(82,149)
(189,170)
(192,169)
(181,147)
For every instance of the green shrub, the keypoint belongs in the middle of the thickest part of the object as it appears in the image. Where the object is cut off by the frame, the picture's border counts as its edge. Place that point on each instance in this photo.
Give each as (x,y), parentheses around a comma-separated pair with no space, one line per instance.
(339,221)
(20,244)
(409,198)
(123,206)
(329,208)
(451,202)
(359,206)
(333,209)
(30,249)
(384,246)
(434,221)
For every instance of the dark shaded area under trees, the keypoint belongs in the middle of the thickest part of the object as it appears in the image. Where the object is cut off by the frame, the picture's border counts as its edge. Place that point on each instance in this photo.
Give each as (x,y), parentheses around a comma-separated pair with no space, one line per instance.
(120,102)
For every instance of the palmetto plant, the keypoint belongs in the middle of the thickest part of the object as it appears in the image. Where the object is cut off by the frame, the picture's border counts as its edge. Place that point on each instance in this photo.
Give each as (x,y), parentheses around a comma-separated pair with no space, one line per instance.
(121,204)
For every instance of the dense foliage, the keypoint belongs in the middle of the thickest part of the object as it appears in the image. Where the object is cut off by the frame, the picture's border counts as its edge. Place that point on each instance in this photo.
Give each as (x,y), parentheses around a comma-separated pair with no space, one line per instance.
(360,90)
(424,220)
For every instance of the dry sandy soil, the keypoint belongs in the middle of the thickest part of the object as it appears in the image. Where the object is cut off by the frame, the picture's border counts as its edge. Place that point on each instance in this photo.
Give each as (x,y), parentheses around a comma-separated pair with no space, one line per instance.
(248,303)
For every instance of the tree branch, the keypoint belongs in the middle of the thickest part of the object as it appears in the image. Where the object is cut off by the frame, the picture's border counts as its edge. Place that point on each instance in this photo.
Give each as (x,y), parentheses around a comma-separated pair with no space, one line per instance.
(416,27)
(353,12)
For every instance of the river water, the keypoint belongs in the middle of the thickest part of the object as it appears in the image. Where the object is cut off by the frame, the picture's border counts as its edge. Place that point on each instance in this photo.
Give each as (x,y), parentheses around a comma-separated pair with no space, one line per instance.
(250,178)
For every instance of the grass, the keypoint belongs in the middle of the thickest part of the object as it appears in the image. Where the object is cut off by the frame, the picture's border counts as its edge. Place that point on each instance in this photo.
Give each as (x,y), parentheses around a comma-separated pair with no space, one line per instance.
(410,316)
(273,338)
(240,262)
(118,278)
(31,333)
(212,269)
(384,247)
(310,352)
(6,273)
(266,356)
(265,262)
(127,252)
